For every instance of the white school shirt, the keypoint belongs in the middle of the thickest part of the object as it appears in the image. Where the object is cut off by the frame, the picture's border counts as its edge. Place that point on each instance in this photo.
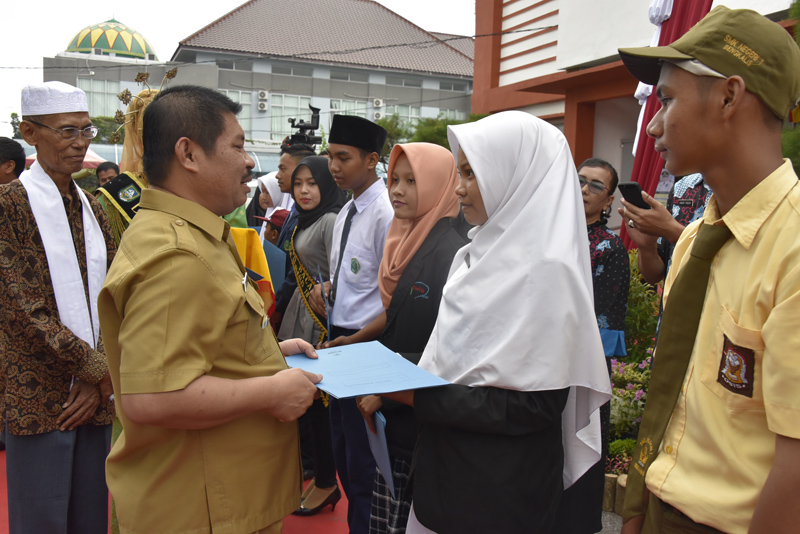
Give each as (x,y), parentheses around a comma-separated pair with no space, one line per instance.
(358,300)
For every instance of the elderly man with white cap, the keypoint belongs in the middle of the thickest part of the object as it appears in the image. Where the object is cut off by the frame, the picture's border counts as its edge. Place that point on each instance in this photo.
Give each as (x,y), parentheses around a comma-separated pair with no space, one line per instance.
(55,247)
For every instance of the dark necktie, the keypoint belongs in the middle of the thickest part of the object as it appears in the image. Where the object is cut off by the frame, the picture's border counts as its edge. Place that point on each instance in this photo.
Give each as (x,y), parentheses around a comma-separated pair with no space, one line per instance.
(348,221)
(675,344)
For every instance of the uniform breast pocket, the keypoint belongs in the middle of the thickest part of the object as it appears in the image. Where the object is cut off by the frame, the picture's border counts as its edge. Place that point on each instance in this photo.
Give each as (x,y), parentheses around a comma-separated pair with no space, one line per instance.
(359,267)
(255,350)
(733,372)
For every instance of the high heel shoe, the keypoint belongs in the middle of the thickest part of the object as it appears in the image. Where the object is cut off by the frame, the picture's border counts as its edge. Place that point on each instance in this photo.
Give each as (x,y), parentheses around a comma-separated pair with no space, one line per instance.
(332,498)
(308,490)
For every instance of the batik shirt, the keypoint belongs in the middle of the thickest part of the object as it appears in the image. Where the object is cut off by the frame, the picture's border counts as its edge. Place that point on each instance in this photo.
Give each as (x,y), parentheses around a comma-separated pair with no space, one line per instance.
(687,201)
(611,276)
(40,356)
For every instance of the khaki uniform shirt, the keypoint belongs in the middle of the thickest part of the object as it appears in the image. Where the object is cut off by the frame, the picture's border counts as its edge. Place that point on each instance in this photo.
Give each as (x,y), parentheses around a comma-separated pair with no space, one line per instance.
(741,386)
(175,307)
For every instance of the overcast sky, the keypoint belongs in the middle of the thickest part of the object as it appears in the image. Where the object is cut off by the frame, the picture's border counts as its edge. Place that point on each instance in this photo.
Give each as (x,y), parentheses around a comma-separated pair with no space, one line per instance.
(43,28)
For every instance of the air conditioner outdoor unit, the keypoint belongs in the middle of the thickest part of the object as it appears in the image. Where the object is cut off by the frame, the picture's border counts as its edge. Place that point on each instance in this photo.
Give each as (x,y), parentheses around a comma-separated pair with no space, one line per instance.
(377,115)
(378,103)
(263,95)
(263,106)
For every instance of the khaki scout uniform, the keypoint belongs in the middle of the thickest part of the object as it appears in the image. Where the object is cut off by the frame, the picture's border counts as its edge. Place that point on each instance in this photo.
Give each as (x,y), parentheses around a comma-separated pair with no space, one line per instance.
(740,388)
(176,306)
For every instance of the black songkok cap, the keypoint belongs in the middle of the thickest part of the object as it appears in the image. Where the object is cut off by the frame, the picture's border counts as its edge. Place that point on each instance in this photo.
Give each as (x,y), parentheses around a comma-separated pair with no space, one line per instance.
(355,131)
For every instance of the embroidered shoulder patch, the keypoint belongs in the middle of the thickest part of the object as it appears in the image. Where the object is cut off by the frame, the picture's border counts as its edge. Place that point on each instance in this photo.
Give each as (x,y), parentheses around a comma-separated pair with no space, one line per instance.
(736,368)
(128,194)
(355,266)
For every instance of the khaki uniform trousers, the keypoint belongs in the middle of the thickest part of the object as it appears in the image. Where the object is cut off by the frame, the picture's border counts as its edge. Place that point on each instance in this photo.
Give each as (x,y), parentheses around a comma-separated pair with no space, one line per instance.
(661,518)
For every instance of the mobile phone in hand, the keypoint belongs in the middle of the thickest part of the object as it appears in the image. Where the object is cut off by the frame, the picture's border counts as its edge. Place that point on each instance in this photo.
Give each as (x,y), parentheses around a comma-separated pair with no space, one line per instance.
(632,192)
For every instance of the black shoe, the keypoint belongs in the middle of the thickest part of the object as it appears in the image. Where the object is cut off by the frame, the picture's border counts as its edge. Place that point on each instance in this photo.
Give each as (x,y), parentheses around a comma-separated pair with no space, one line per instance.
(331,499)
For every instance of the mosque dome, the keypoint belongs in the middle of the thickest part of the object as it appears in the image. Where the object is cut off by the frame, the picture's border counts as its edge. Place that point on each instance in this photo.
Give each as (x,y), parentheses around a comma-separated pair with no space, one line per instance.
(109,37)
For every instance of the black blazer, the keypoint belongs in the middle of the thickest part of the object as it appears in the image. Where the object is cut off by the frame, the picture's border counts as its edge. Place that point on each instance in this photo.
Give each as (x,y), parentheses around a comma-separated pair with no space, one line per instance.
(488,459)
(415,302)
(410,319)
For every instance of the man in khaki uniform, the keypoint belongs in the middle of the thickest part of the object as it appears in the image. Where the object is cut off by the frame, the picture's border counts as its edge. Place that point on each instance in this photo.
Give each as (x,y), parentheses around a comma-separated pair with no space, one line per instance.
(207,403)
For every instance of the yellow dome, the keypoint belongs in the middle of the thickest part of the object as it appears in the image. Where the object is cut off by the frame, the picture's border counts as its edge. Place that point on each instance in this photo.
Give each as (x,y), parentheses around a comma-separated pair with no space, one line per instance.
(112,37)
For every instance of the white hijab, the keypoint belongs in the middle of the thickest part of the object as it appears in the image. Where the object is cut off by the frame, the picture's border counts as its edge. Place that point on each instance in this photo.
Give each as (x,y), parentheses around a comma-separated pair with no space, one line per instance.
(280,201)
(517,311)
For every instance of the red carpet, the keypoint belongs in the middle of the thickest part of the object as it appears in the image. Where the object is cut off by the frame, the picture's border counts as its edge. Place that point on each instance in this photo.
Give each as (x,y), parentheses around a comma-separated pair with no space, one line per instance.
(325,522)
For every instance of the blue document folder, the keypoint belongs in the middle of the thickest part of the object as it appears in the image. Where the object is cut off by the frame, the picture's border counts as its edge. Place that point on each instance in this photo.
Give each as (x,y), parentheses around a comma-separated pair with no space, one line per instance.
(364,369)
(380,449)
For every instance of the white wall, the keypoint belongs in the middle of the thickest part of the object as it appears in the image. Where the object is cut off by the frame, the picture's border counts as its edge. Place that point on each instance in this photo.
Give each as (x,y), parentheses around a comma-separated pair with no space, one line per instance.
(592,30)
(615,123)
(547,108)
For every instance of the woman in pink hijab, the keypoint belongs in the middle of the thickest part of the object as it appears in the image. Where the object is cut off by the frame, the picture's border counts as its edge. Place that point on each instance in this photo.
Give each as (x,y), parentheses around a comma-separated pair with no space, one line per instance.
(416,261)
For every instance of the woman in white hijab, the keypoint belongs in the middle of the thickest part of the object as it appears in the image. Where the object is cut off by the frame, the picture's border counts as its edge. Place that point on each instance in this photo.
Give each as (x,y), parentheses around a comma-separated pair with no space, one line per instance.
(271,198)
(517,337)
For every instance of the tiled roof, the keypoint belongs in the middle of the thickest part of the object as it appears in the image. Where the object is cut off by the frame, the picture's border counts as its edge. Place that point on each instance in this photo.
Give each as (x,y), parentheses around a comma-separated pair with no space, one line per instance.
(351,32)
(464,44)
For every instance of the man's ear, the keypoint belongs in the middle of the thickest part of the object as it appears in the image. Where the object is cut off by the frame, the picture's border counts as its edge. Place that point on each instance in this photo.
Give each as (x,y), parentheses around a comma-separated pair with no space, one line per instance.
(186,154)
(28,132)
(733,93)
(372,160)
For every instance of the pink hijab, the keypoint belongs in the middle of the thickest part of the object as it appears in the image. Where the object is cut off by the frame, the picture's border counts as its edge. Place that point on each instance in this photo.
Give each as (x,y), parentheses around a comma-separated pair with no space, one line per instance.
(436,180)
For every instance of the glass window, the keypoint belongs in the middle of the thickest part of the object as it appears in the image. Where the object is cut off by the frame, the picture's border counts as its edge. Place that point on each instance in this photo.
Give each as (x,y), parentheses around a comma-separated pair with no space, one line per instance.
(285,107)
(349,107)
(409,115)
(245,98)
(101,96)
(349,76)
(404,82)
(292,71)
(453,114)
(453,86)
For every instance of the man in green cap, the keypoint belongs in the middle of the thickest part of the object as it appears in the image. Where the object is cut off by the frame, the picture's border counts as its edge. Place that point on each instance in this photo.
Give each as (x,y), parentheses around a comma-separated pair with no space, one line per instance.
(719,445)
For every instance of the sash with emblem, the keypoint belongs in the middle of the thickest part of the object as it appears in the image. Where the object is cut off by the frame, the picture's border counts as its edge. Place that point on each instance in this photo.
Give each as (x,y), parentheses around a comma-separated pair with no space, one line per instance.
(305,283)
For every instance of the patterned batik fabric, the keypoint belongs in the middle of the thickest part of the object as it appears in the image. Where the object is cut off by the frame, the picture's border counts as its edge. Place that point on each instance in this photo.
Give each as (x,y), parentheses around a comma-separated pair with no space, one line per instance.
(610,282)
(686,202)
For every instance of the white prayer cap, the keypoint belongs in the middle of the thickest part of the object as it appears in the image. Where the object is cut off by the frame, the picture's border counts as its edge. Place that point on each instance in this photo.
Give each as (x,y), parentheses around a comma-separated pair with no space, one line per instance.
(49,98)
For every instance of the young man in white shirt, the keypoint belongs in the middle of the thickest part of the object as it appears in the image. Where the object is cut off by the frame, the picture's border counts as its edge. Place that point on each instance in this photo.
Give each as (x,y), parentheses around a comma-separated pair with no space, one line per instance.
(359,235)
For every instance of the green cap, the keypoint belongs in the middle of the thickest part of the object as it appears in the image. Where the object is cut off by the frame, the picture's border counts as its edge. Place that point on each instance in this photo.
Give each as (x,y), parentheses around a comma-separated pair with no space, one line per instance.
(732,42)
